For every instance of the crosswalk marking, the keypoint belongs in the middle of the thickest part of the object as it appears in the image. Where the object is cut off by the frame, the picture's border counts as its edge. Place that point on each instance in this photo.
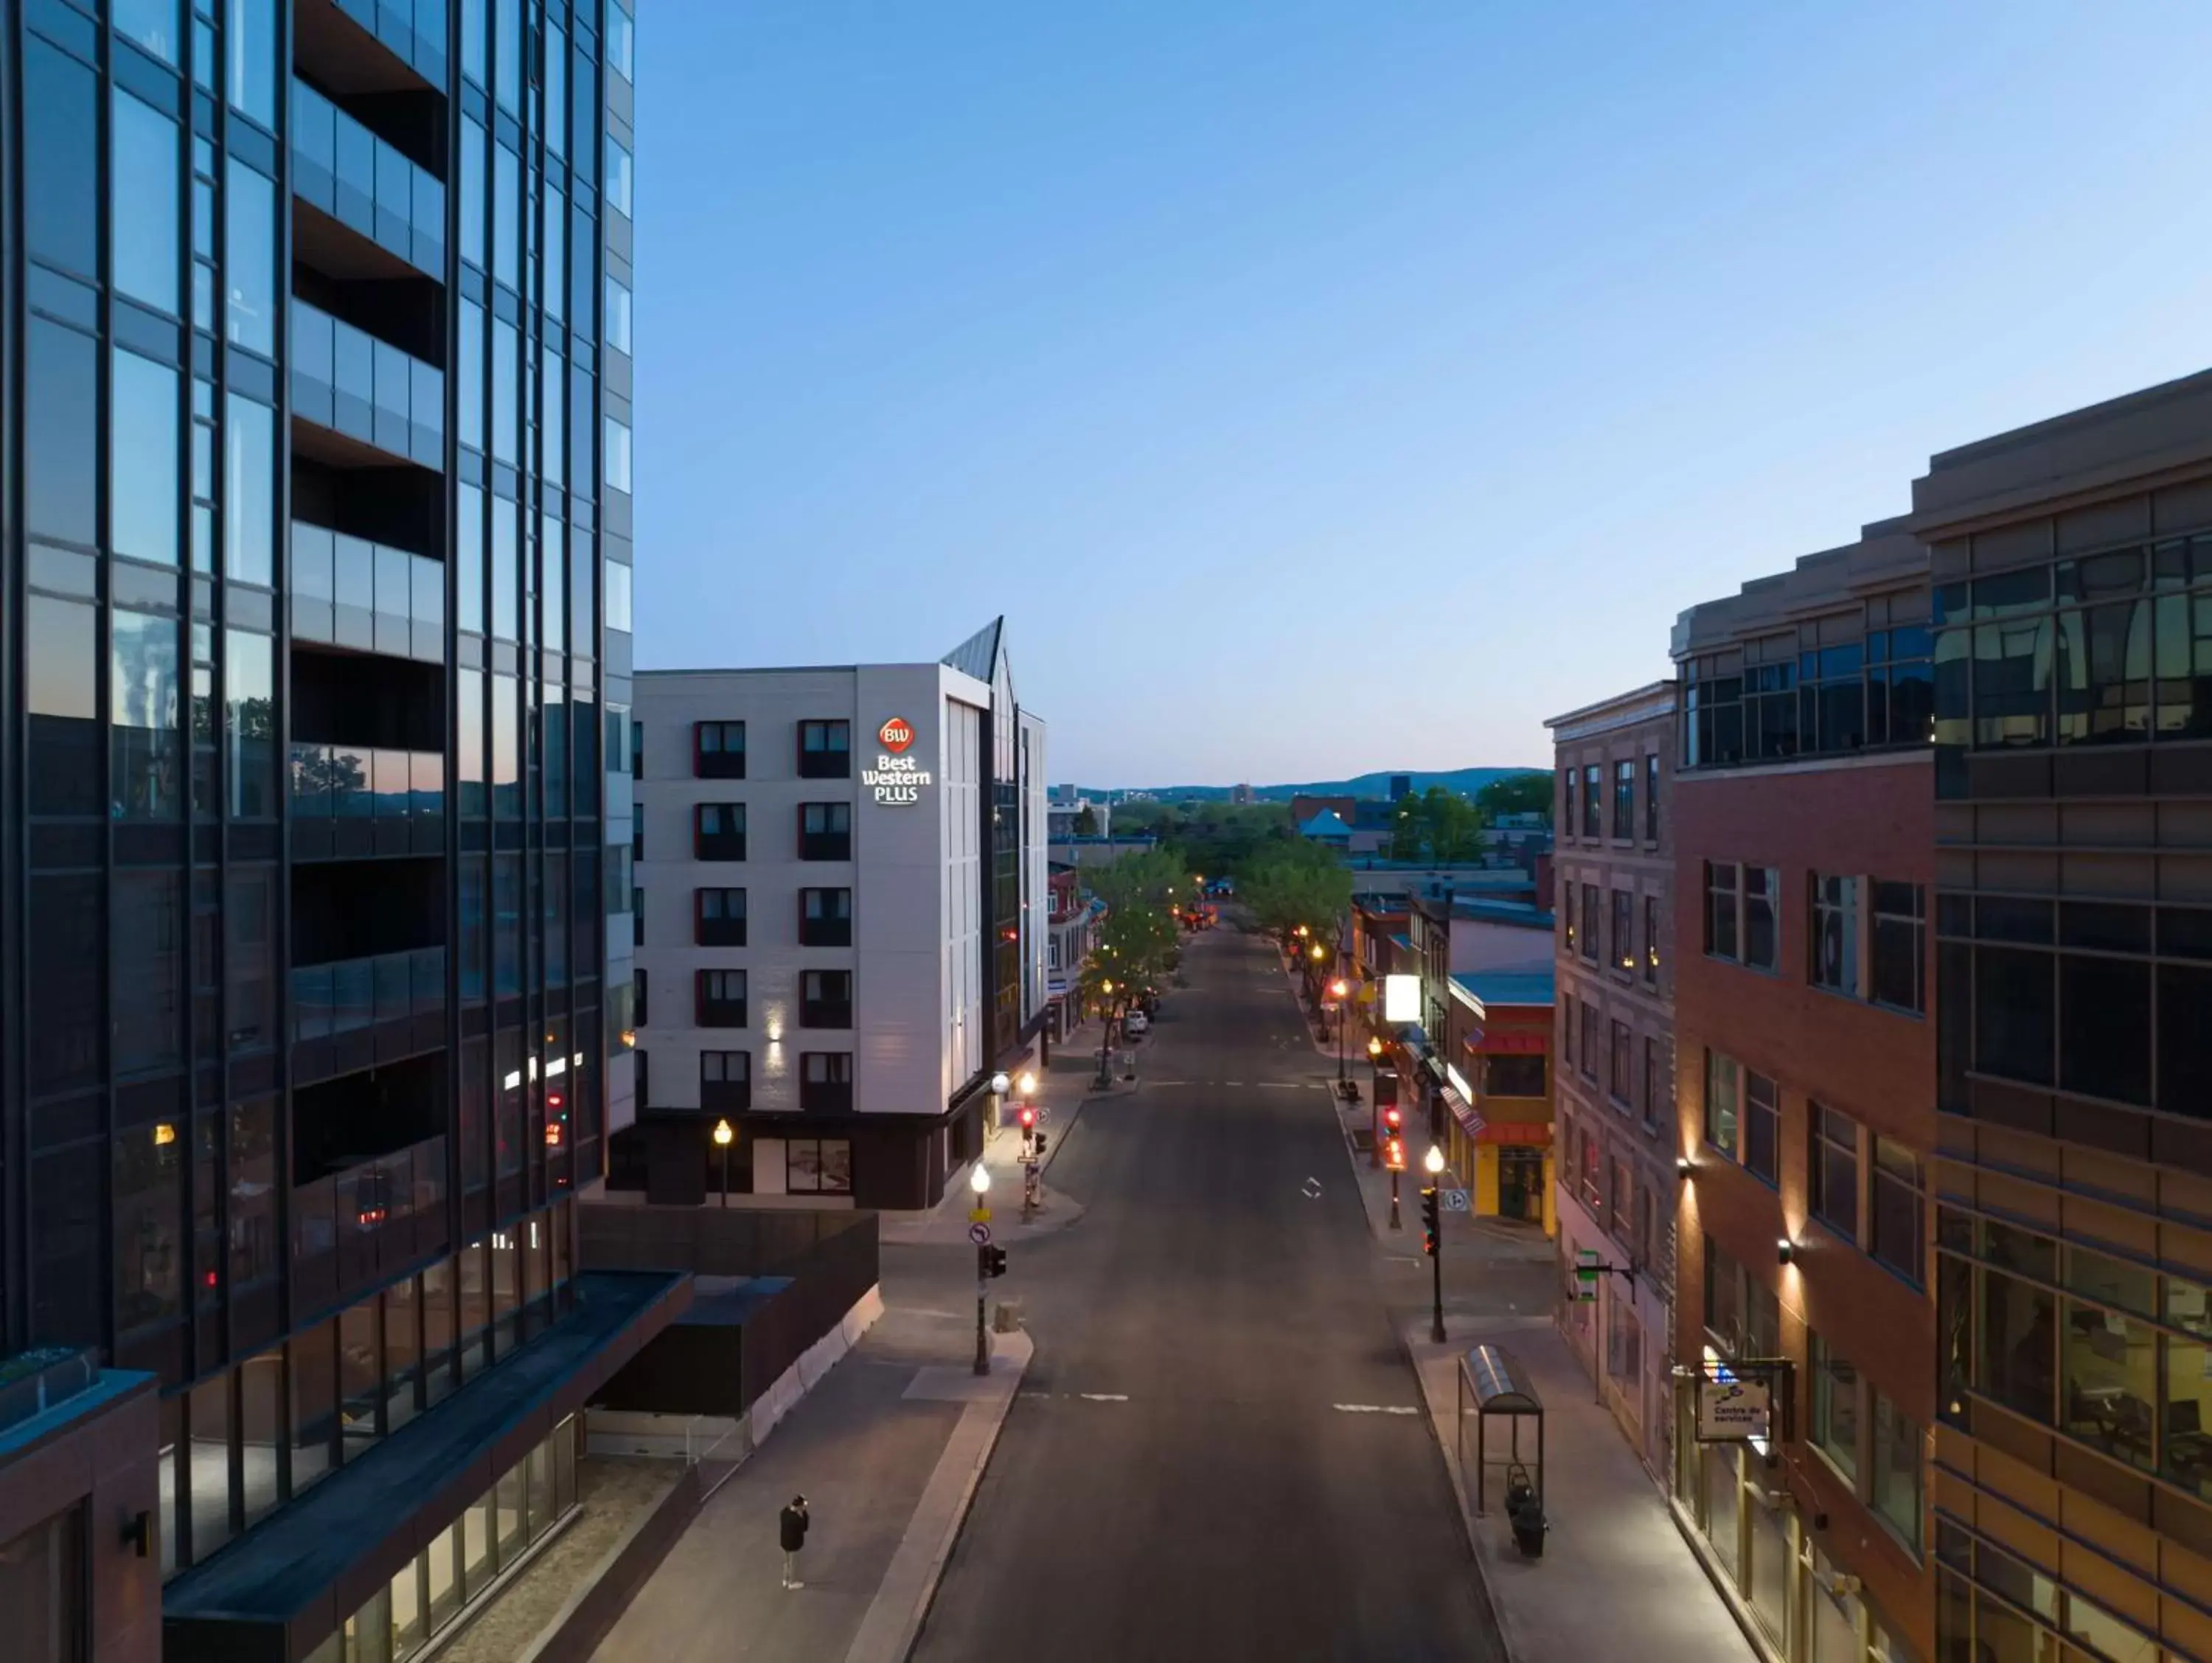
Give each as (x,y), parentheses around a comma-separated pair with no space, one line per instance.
(1103,1397)
(1374,1408)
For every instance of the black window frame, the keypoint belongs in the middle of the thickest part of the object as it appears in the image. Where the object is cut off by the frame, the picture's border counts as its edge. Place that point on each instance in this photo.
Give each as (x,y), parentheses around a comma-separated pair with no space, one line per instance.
(1907,922)
(1896,1207)
(718,1093)
(713,924)
(1624,799)
(722,844)
(713,756)
(818,927)
(1620,1083)
(1624,933)
(1592,923)
(1593,803)
(831,842)
(832,1094)
(1651,798)
(1760,1108)
(713,1004)
(1833,1169)
(817,1009)
(1651,932)
(829,754)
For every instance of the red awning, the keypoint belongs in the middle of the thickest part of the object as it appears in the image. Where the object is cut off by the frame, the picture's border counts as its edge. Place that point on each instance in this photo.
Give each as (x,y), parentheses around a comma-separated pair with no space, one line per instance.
(1532,1133)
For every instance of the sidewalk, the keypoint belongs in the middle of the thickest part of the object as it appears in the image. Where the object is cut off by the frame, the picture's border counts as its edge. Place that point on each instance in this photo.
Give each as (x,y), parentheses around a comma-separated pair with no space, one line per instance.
(1063,1091)
(887,1449)
(1612,1535)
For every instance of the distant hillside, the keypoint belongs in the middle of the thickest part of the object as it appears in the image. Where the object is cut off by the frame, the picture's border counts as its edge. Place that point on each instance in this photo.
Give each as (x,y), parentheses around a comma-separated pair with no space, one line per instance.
(1467,781)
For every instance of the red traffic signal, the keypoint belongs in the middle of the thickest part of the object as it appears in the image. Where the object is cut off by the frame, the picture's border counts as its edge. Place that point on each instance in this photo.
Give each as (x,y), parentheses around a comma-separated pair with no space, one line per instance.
(1027,1116)
(1392,1118)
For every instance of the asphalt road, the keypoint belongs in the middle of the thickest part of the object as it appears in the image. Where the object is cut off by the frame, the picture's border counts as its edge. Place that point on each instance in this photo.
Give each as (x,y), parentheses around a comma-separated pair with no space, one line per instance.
(1204,1462)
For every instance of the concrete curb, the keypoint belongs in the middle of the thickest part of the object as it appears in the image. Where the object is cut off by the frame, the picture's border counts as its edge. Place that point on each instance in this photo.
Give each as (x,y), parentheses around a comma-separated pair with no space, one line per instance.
(1509,1641)
(892,1624)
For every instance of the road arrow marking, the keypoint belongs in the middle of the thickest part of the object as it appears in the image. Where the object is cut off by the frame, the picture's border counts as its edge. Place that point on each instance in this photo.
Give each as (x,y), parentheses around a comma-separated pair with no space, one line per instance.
(1312,1187)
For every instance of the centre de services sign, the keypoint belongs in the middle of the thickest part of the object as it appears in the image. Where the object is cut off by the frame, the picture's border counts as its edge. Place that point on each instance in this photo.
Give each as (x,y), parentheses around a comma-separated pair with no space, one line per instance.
(897,778)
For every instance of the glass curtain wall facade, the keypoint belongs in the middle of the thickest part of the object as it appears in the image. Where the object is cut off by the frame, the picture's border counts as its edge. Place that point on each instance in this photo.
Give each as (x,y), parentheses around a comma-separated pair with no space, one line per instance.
(2073,1477)
(314,613)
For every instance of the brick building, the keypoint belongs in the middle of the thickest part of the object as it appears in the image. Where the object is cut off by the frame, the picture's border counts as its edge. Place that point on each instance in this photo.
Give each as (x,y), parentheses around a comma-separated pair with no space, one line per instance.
(1803,848)
(1615,1094)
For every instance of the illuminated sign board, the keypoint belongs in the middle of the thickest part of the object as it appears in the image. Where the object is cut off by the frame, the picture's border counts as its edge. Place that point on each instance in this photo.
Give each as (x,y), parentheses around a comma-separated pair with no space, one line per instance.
(897,781)
(1402,998)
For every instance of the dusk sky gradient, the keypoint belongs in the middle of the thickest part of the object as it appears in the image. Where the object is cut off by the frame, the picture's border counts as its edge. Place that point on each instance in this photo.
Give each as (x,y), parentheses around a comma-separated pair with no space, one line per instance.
(1320,387)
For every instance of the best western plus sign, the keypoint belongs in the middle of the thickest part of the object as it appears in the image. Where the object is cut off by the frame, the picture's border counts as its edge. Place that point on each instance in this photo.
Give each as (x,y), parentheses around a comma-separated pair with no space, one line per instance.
(896,779)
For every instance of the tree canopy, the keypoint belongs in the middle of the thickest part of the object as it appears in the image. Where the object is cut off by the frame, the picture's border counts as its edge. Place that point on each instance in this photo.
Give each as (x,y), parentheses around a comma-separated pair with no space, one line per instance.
(1437,826)
(1517,793)
(1289,883)
(1137,944)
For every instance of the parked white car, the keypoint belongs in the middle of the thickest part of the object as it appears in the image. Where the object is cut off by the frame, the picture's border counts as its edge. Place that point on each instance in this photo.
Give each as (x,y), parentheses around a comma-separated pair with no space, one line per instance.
(1136,1023)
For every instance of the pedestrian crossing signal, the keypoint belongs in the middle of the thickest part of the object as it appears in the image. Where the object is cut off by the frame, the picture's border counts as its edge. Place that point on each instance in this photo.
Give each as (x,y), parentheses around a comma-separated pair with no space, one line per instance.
(990,1262)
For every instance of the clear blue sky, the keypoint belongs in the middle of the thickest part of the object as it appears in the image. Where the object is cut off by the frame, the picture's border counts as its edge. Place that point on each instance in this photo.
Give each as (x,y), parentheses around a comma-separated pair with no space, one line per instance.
(1327,386)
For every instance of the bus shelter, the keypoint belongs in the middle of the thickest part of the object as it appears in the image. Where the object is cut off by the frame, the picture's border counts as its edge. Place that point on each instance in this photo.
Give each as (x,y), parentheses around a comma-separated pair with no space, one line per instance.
(1493,1385)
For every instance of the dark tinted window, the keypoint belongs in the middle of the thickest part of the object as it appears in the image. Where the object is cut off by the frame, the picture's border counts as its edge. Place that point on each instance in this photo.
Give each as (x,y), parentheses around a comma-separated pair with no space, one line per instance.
(2184,1040)
(2104,1034)
(61,660)
(61,153)
(61,449)
(2013,1014)
(66,1189)
(66,930)
(148,1024)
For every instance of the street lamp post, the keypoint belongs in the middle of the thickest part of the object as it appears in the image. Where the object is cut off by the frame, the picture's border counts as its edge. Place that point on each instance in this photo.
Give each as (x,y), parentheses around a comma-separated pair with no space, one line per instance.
(1373,1099)
(723,1138)
(1338,989)
(1105,1037)
(979,1181)
(1433,1163)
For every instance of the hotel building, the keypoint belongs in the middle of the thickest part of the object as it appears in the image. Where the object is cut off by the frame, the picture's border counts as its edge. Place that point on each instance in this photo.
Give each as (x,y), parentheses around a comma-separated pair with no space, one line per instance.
(843,911)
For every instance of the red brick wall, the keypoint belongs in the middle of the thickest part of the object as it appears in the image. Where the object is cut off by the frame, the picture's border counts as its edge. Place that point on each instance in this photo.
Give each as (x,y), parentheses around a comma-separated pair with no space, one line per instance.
(1873,819)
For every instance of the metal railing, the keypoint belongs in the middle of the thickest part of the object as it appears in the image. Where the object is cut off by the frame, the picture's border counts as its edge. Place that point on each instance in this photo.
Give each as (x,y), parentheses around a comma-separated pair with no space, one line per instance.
(347,380)
(348,782)
(355,994)
(358,179)
(348,592)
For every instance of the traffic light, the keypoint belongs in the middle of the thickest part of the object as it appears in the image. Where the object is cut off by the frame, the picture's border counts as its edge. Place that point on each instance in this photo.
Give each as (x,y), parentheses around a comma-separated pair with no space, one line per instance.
(1432,1223)
(1393,1121)
(1027,1115)
(990,1262)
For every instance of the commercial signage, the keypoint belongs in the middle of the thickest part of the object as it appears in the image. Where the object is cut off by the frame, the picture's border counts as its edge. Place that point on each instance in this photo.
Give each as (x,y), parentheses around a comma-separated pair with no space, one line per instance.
(897,780)
(1402,998)
(1733,1410)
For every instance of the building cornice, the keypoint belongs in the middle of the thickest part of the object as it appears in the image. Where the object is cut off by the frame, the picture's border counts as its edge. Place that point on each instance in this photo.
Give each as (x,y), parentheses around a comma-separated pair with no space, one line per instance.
(1654,699)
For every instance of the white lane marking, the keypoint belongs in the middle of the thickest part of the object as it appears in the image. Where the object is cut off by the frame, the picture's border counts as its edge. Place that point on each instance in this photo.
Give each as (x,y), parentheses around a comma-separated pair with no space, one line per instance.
(1239,1084)
(1103,1397)
(1374,1409)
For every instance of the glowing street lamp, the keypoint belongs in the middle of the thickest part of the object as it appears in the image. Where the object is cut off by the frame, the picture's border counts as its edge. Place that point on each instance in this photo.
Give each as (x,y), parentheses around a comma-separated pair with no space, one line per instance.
(1432,1205)
(723,1138)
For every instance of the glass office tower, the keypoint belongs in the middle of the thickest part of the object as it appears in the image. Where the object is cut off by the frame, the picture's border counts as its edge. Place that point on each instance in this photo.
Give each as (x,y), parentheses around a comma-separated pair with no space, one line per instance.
(313,799)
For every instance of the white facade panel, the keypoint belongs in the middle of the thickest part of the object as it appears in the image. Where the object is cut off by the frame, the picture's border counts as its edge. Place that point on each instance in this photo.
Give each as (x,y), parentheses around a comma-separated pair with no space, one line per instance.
(921,1028)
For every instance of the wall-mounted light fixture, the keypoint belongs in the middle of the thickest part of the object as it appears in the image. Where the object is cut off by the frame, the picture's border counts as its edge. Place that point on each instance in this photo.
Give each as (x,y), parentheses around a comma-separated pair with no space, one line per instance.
(1784,1250)
(1682,1167)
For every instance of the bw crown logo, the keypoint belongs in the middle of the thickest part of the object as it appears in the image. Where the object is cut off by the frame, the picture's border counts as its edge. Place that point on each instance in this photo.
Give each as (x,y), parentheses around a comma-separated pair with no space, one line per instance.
(895,734)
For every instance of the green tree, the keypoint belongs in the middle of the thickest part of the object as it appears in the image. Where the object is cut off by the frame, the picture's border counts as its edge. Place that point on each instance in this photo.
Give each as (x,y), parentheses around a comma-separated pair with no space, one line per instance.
(1517,793)
(1293,883)
(1086,822)
(1439,827)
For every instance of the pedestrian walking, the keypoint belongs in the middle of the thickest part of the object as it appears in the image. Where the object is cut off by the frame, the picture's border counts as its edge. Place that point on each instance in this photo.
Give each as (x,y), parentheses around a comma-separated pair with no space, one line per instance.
(793,1523)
